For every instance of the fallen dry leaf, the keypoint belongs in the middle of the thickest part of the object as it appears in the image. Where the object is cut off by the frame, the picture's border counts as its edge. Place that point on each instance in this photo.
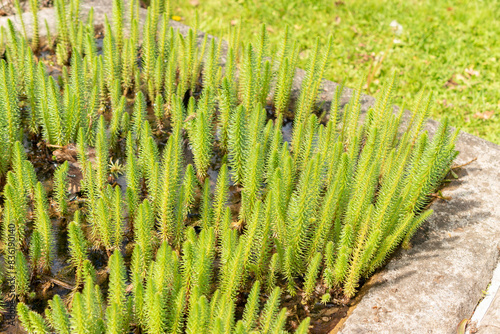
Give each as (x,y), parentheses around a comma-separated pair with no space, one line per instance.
(66,153)
(461,77)
(445,103)
(190,117)
(194,3)
(451,82)
(484,115)
(471,71)
(364,57)
(338,20)
(462,326)
(234,22)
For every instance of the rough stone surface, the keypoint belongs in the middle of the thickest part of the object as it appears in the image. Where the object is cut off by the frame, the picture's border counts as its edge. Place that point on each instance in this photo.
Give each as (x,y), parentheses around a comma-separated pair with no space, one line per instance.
(490,324)
(101,9)
(431,287)
(43,14)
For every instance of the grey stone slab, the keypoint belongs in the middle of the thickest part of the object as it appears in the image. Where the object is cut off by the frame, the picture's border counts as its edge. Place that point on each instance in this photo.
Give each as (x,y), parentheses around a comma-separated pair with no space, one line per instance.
(431,287)
(490,324)
(44,14)
(101,9)
(489,307)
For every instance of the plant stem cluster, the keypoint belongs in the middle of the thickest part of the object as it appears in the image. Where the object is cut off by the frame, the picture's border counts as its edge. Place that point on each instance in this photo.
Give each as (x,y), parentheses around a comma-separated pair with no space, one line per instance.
(217,202)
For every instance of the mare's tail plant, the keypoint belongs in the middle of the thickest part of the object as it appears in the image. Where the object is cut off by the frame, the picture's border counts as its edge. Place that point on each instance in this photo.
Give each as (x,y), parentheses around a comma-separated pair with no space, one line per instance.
(233,194)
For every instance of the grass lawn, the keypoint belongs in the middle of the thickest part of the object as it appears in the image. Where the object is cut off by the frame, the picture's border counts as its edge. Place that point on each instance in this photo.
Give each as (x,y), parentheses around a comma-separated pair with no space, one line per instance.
(451,48)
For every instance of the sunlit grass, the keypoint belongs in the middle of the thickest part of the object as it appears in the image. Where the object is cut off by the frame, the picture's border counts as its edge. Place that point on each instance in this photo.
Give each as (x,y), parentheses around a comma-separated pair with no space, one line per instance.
(449,47)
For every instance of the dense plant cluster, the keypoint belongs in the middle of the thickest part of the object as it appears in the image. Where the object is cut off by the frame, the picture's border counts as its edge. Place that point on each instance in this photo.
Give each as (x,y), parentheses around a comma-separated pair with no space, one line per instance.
(222,210)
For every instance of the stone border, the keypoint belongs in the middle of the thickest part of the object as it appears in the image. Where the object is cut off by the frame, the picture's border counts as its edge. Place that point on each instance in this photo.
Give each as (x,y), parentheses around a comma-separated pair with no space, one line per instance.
(433,286)
(486,317)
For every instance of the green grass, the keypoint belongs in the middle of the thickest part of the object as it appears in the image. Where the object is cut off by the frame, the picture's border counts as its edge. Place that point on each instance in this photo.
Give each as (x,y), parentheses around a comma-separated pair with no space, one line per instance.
(442,45)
